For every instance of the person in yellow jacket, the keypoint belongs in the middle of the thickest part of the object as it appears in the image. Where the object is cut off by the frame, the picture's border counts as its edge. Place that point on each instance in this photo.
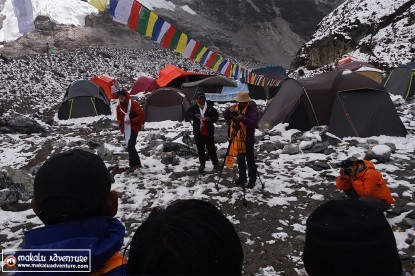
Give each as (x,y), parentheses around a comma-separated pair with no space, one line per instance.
(360,180)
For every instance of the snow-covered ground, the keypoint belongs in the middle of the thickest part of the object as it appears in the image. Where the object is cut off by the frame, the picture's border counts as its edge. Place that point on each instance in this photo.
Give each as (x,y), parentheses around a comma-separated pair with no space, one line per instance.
(271,228)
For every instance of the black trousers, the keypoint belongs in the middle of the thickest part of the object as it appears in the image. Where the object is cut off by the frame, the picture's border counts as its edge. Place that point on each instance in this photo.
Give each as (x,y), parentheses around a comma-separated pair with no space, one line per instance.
(209,143)
(133,158)
(243,160)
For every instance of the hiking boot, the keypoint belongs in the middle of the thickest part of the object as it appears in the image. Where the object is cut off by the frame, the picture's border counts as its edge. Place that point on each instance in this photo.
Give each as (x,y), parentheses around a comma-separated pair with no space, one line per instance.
(201,168)
(133,168)
(251,184)
(216,167)
(239,181)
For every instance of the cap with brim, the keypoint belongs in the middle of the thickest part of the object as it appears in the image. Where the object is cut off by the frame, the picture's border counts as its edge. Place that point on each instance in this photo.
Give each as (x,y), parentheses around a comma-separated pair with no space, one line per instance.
(71,185)
(121,92)
(348,162)
(243,97)
(200,95)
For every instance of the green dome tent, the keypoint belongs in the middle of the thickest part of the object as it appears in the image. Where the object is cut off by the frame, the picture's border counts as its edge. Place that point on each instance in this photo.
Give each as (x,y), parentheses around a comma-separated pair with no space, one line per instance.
(401,81)
(84,98)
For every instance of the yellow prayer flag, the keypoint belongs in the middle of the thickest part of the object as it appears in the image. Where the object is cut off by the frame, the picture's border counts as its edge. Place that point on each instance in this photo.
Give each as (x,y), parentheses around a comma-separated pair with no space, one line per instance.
(200,54)
(151,21)
(216,65)
(99,4)
(181,45)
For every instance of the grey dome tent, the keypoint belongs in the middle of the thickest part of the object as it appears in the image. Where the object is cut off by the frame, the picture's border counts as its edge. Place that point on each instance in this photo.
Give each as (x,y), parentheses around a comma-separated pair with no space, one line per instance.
(401,81)
(84,98)
(349,104)
(166,103)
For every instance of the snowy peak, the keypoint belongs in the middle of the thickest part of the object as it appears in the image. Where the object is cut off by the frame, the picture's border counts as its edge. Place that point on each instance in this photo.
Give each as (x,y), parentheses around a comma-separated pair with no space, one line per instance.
(382,32)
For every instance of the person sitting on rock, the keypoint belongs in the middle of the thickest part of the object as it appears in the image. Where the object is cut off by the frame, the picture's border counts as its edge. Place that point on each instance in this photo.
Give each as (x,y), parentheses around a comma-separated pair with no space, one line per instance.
(360,180)
(189,237)
(204,115)
(73,198)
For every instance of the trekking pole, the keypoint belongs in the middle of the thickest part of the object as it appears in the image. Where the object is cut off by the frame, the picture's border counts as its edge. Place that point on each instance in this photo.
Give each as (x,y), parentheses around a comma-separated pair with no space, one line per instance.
(244,202)
(223,165)
(231,137)
(260,180)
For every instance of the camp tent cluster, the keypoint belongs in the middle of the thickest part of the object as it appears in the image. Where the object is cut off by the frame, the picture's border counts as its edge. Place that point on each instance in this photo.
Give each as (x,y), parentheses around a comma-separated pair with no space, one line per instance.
(351,102)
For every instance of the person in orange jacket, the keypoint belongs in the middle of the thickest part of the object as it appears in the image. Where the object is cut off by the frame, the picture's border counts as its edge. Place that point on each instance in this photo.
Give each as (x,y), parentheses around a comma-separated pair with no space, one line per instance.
(130,117)
(360,180)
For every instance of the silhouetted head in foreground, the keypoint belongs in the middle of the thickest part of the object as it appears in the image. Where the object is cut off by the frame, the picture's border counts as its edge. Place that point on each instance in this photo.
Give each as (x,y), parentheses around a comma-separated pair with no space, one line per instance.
(350,237)
(188,237)
(73,185)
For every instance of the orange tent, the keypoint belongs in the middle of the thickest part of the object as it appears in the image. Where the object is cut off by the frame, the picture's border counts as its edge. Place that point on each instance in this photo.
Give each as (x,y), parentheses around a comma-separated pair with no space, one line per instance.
(106,82)
(174,76)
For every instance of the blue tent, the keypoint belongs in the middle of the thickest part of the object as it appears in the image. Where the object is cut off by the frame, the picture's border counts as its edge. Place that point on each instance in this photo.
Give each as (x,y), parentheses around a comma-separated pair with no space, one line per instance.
(228,93)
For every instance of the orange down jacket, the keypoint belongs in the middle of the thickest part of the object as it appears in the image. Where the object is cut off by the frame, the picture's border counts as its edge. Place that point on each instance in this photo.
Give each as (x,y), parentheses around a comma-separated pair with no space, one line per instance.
(369,182)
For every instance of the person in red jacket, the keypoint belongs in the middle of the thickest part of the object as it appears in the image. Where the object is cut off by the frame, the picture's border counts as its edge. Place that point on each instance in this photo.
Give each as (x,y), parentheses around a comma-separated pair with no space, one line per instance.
(130,117)
(360,180)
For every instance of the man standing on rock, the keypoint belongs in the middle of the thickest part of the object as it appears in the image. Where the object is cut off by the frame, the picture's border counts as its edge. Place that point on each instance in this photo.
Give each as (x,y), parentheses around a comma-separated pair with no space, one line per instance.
(130,117)
(204,115)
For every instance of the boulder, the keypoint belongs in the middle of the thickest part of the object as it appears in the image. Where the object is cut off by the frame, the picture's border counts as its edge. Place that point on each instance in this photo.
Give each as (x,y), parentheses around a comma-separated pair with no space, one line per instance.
(15,185)
(382,153)
(179,149)
(319,147)
(169,158)
(20,124)
(267,147)
(94,143)
(289,149)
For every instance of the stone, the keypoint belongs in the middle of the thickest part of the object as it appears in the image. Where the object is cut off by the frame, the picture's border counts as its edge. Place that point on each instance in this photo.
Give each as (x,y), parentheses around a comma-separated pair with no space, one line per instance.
(15,185)
(103,151)
(382,153)
(20,124)
(279,145)
(267,147)
(319,147)
(291,150)
(94,143)
(321,130)
(179,149)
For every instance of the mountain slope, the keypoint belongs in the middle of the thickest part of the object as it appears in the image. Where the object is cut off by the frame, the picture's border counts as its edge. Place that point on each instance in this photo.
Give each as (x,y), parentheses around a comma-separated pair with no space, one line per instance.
(270,32)
(382,32)
(267,31)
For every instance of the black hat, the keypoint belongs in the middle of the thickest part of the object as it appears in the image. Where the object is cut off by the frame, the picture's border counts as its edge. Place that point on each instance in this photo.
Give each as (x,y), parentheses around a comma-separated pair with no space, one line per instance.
(348,162)
(71,185)
(121,92)
(349,237)
(200,94)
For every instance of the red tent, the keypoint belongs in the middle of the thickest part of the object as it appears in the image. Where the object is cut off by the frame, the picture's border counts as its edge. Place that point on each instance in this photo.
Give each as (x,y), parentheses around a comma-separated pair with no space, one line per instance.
(174,76)
(144,84)
(106,82)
